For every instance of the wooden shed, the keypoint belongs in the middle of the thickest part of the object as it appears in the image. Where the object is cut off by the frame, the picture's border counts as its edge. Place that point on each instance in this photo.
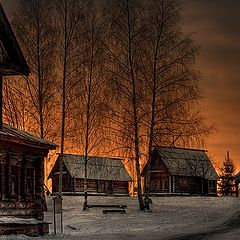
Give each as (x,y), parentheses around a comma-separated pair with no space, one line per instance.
(104,175)
(21,181)
(181,171)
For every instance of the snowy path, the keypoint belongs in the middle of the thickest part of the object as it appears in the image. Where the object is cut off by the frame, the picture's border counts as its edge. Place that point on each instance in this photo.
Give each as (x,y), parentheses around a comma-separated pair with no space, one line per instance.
(227,231)
(171,217)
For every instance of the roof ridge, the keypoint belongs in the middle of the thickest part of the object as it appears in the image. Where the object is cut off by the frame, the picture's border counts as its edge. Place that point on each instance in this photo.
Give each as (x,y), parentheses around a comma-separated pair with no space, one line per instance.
(80,155)
(192,149)
(25,135)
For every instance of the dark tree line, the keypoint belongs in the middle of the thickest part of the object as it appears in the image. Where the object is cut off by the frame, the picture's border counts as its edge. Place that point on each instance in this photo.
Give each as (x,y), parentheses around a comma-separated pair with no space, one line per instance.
(114,79)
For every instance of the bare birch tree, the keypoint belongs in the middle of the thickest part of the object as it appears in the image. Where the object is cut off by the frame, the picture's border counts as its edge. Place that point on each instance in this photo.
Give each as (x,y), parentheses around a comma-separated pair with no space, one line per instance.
(33,27)
(153,72)
(124,47)
(69,14)
(171,82)
(15,106)
(153,88)
(90,102)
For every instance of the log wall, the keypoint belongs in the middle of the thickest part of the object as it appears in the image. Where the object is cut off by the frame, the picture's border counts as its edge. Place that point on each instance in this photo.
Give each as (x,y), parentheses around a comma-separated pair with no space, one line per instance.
(21,182)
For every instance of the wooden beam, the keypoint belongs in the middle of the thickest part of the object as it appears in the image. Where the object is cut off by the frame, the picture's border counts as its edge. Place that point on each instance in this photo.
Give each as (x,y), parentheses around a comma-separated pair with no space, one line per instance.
(107,206)
(113,210)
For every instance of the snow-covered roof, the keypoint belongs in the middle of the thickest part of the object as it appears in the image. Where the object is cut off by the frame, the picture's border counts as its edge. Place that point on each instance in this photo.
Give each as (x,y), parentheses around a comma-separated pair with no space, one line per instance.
(187,162)
(100,168)
(16,135)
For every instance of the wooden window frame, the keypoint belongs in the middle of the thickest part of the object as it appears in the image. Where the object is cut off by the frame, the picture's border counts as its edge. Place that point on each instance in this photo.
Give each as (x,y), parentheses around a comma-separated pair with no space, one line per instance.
(29,182)
(28,172)
(14,179)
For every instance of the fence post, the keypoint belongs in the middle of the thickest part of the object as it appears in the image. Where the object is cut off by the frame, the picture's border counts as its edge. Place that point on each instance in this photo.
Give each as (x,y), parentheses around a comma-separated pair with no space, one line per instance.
(57,209)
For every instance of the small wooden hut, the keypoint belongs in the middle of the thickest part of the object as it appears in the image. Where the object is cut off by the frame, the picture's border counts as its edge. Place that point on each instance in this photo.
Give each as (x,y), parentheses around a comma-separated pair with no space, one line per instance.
(181,171)
(104,175)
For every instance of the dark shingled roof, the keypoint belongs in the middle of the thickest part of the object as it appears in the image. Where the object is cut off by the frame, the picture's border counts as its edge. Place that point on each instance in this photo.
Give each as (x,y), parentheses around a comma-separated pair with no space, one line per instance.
(100,168)
(187,162)
(12,61)
(9,132)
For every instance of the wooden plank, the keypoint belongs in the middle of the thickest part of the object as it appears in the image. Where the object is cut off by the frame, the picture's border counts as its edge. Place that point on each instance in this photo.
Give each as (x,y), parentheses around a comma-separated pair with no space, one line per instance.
(114,210)
(107,206)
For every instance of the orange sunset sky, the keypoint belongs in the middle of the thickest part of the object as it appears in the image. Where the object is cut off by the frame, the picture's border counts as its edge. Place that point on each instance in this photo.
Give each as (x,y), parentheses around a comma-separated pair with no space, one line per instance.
(216,28)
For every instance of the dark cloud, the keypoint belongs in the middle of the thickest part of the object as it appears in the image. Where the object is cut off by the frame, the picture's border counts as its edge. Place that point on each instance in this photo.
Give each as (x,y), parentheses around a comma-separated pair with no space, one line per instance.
(216,27)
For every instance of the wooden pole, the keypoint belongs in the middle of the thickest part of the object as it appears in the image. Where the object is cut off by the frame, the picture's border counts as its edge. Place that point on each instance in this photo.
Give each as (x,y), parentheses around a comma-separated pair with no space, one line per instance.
(236,188)
(61,220)
(1,95)
(54,216)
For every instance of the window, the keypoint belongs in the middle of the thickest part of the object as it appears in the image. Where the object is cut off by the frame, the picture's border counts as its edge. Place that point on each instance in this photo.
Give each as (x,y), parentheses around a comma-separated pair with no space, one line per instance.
(183,182)
(159,182)
(5,181)
(13,181)
(29,181)
(212,186)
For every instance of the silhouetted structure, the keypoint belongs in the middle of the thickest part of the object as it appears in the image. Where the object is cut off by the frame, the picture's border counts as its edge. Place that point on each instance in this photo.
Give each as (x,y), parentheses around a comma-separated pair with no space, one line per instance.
(104,175)
(181,171)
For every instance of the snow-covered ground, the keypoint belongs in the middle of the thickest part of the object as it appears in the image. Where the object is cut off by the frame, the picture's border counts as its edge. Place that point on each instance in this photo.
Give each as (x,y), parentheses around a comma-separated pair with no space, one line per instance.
(170,217)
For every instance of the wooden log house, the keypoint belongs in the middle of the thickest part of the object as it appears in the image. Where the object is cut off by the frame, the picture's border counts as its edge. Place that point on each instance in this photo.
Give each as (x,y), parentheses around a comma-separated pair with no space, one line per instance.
(181,171)
(21,181)
(21,154)
(104,175)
